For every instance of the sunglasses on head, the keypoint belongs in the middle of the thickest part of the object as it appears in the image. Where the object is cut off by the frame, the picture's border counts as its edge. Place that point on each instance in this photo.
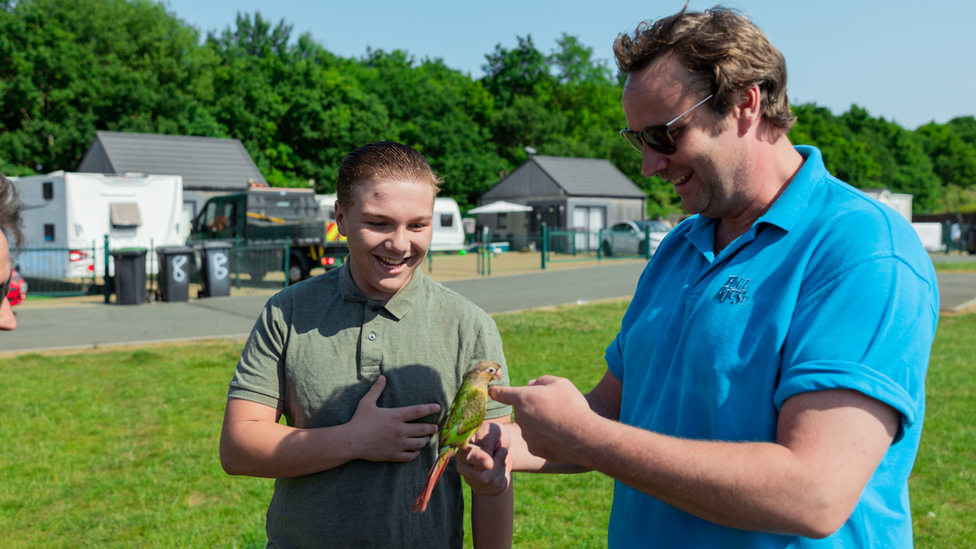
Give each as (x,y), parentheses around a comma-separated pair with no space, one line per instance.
(658,138)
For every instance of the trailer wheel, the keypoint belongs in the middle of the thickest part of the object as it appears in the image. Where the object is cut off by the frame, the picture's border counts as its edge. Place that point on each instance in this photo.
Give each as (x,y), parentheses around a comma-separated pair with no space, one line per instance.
(298,268)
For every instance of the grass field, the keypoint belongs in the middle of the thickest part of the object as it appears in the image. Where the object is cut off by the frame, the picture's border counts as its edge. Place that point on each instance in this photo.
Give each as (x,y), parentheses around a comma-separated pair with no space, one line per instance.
(118,448)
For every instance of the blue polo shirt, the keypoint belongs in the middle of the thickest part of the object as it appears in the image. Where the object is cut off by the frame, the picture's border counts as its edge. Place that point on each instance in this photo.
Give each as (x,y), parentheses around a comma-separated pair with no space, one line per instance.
(829,289)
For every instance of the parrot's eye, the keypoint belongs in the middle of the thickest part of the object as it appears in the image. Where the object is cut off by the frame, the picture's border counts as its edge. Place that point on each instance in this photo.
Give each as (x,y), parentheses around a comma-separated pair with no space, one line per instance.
(491,370)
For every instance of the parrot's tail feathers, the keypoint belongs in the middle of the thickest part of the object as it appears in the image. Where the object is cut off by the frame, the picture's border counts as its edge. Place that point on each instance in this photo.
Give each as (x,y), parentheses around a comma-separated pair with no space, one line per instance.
(433,475)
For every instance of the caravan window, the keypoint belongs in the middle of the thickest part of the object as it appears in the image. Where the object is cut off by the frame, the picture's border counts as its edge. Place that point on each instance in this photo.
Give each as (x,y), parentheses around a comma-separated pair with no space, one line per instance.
(48,190)
(125,215)
(447,220)
(48,232)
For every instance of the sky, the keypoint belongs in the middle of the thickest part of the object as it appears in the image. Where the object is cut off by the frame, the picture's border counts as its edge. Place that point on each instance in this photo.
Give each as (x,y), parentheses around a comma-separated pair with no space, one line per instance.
(904,61)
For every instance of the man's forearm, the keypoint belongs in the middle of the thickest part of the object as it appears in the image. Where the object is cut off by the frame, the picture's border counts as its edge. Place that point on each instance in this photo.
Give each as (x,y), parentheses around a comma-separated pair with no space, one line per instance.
(806,483)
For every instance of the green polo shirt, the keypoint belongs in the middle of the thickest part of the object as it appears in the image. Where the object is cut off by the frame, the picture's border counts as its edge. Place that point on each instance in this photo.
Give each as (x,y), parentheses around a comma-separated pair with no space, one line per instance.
(315,351)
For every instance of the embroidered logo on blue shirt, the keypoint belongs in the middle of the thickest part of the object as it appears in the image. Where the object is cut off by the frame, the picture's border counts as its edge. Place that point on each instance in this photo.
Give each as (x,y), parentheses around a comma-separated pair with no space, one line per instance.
(734,290)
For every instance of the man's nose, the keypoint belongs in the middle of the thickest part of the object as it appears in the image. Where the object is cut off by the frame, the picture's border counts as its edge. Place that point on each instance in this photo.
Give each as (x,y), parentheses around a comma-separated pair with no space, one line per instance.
(652,162)
(7,319)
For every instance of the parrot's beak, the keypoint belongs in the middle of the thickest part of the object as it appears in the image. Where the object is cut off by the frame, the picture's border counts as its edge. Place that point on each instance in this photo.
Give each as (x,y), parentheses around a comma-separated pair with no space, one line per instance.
(498,374)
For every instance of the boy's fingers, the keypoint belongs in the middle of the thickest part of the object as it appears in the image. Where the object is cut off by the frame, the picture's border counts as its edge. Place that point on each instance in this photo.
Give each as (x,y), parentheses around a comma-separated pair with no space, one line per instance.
(417,411)
(374,392)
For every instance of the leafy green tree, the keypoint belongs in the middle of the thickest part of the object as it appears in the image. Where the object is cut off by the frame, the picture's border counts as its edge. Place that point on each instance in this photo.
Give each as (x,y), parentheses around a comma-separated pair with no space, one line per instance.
(295,108)
(71,67)
(440,112)
(952,148)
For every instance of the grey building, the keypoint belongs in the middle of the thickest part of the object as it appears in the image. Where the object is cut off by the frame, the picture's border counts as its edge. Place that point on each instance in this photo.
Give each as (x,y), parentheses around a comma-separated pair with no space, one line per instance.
(209,166)
(566,194)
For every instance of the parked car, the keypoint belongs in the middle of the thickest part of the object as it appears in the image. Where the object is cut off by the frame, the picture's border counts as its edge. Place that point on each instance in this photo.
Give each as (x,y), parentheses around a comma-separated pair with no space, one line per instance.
(18,288)
(627,237)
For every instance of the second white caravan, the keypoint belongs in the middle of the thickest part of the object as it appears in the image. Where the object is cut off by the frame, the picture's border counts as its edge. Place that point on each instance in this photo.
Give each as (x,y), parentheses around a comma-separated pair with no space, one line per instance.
(448,229)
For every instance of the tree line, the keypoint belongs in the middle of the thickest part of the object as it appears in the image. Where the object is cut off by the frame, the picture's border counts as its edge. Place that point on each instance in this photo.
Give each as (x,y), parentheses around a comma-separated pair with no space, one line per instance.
(69,68)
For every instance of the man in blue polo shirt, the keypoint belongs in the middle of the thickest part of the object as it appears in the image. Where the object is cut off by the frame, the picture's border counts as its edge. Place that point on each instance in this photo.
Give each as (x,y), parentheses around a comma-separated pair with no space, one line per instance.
(766,388)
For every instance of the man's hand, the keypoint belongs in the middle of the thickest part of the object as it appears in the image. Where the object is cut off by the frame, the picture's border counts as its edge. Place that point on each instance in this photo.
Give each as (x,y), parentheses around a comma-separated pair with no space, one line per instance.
(553,416)
(486,463)
(385,434)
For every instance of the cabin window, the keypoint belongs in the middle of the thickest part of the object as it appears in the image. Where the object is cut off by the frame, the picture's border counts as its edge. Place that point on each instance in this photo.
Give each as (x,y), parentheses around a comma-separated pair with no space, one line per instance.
(48,232)
(125,215)
(230,214)
(447,220)
(503,221)
(48,190)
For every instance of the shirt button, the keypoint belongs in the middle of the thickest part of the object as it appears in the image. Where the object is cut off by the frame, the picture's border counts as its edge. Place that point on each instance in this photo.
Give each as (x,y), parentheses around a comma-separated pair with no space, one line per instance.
(376,309)
(372,337)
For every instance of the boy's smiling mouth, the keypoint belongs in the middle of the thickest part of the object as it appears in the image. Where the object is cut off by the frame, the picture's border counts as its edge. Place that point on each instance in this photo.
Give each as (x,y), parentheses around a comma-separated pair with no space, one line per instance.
(390,264)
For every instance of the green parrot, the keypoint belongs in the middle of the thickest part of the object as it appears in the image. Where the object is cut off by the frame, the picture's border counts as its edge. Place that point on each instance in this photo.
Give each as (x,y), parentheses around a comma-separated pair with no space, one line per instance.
(463,419)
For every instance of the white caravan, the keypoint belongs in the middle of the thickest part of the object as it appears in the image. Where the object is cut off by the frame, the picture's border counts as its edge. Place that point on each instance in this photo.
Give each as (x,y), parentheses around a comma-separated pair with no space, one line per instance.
(448,229)
(72,212)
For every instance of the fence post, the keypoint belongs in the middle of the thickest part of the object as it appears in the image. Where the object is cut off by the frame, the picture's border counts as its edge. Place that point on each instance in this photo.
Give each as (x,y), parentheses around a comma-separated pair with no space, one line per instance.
(599,244)
(94,257)
(287,261)
(545,244)
(105,289)
(152,279)
(488,251)
(237,259)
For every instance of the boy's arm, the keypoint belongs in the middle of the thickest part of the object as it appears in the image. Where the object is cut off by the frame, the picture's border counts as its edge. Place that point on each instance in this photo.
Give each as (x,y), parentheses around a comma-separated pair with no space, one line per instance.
(253,443)
(492,517)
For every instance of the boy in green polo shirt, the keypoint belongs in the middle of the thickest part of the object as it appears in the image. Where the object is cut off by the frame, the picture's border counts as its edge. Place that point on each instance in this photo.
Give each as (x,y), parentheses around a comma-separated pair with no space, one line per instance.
(362,362)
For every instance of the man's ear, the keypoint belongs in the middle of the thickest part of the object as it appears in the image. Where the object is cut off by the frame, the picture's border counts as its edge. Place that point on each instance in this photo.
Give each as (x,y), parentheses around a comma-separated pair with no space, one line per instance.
(340,218)
(748,111)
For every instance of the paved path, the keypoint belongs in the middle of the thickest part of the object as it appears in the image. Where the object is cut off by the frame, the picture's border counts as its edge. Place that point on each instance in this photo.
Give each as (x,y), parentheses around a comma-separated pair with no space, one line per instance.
(94,323)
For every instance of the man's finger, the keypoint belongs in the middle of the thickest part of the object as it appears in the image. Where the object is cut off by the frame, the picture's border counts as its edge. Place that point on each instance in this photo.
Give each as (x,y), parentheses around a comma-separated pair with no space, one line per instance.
(504,395)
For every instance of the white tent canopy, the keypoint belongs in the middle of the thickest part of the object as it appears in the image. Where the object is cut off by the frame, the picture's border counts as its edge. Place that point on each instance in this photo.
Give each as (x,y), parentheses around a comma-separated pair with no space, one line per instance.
(500,207)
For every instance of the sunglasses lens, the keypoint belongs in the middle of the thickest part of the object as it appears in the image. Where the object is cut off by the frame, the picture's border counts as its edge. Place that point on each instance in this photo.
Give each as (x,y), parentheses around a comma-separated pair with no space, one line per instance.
(659,139)
(633,139)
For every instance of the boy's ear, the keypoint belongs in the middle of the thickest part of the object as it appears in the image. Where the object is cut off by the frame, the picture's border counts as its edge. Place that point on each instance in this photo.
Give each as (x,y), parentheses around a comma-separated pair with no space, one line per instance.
(340,218)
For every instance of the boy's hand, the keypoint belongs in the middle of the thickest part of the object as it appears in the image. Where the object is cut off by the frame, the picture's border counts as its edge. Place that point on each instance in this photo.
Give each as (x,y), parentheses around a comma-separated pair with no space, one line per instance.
(486,462)
(385,434)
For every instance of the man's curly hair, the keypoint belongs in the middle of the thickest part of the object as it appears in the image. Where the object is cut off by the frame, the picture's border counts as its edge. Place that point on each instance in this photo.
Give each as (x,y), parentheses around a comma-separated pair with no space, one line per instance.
(10,207)
(724,51)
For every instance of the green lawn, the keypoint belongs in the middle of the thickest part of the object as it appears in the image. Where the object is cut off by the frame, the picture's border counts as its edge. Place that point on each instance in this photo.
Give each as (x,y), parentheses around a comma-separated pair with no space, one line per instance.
(944,265)
(118,448)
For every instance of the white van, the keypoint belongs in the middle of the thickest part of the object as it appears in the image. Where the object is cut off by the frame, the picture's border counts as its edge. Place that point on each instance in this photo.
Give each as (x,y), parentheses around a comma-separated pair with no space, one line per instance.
(72,212)
(448,229)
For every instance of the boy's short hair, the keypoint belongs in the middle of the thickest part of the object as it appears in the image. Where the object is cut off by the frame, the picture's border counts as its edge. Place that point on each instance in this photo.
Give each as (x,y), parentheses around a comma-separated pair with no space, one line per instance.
(384,160)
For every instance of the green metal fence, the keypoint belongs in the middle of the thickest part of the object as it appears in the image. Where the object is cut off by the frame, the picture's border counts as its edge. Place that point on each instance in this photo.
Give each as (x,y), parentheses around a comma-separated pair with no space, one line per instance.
(583,245)
(57,270)
(60,271)
(959,237)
